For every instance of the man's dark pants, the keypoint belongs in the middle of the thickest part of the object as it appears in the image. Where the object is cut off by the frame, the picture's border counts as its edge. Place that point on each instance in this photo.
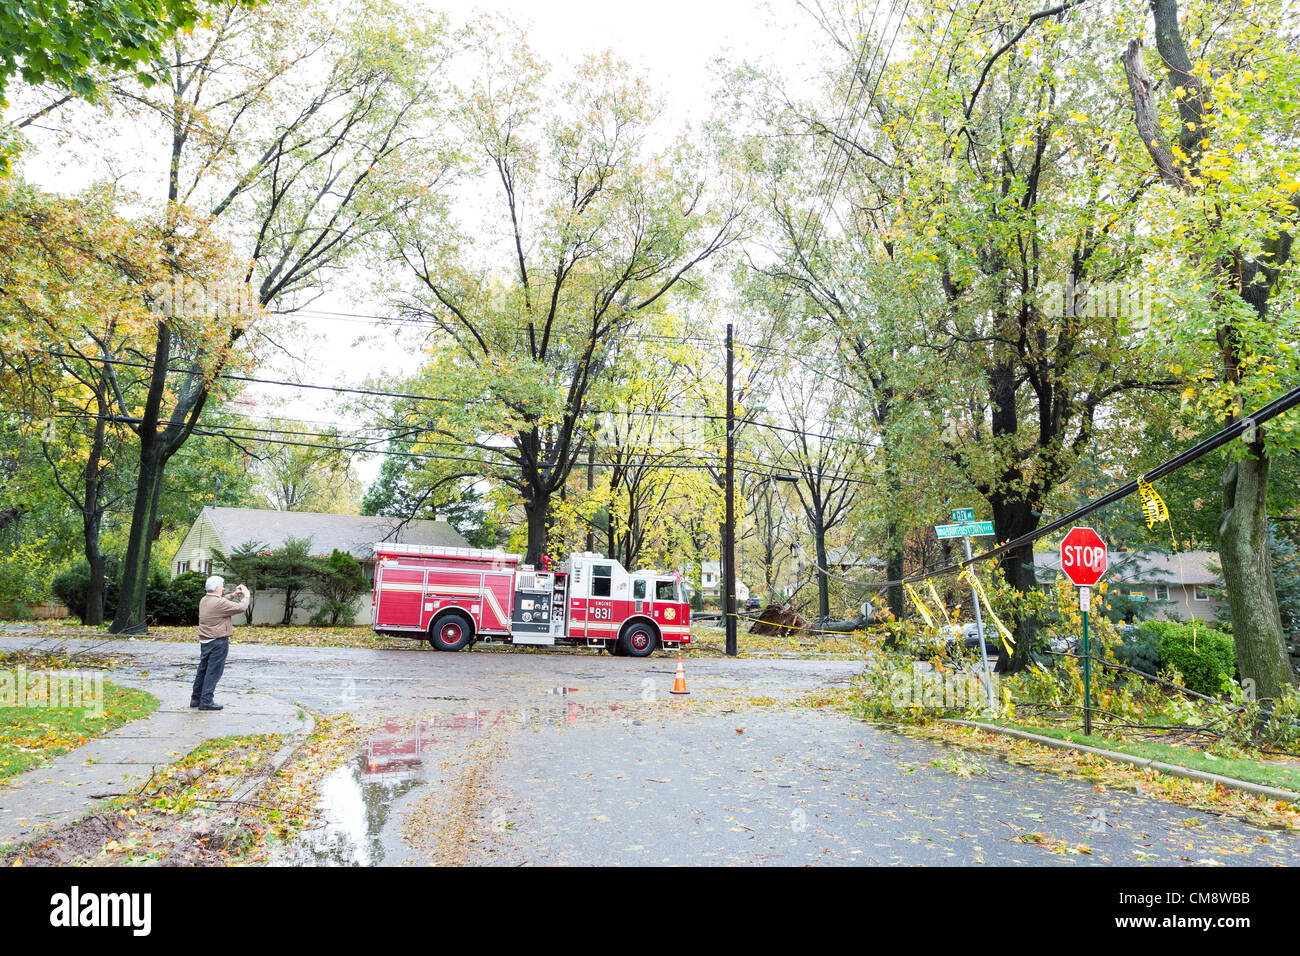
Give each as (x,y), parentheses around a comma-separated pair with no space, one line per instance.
(212,661)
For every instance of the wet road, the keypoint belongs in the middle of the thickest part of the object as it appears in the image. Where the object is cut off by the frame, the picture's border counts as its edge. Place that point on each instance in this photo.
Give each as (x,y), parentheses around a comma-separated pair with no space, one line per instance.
(577,758)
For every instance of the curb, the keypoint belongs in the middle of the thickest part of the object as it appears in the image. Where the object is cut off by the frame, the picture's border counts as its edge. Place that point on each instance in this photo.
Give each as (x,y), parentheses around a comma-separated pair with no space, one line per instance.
(1146,763)
(281,756)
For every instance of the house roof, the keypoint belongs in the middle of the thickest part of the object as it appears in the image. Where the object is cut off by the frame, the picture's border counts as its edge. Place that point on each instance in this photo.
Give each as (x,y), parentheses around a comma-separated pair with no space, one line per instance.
(1148,567)
(355,534)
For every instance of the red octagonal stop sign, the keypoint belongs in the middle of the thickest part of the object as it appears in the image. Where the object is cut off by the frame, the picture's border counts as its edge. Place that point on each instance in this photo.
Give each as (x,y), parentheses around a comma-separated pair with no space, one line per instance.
(1083,556)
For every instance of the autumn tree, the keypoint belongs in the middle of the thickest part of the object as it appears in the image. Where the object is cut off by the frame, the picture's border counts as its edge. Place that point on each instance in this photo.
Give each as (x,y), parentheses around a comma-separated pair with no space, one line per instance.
(1220,134)
(279,129)
(981,200)
(589,230)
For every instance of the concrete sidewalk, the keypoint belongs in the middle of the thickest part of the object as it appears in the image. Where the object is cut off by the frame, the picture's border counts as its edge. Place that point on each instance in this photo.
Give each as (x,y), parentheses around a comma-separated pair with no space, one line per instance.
(124,759)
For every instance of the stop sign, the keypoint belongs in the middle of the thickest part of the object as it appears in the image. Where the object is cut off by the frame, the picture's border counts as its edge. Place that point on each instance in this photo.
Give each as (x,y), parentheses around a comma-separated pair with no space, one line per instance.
(1083,556)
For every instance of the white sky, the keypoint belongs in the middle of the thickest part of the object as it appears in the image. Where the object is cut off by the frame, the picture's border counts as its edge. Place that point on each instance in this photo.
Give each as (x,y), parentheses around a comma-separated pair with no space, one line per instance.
(673,42)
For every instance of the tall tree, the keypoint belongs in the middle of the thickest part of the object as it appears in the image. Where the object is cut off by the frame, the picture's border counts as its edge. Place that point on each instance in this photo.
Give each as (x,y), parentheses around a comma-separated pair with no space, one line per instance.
(1221,135)
(594,229)
(285,130)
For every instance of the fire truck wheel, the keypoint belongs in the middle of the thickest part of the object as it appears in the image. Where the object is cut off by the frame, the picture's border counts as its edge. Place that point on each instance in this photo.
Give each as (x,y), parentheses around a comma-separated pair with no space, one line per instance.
(450,632)
(638,641)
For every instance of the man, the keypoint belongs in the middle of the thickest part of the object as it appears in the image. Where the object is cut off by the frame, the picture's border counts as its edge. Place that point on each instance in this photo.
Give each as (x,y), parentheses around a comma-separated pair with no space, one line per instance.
(215,628)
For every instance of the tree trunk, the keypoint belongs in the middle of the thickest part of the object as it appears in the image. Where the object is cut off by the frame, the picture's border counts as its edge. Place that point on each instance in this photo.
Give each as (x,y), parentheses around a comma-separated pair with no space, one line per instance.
(95,588)
(1011,519)
(1248,574)
(92,515)
(538,511)
(823,582)
(894,571)
(132,592)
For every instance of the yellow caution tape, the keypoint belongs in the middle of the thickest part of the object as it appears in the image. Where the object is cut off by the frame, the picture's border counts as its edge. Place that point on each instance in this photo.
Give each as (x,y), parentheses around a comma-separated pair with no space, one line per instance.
(938,602)
(920,606)
(979,590)
(1153,506)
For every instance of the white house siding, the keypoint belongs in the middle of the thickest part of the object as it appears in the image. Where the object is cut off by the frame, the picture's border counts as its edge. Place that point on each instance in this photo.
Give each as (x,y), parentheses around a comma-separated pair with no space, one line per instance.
(195,552)
(268,608)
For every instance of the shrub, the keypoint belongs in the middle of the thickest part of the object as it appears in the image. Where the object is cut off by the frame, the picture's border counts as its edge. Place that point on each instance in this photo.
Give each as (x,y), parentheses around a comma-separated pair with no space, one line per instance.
(166,602)
(1140,651)
(1201,654)
(339,582)
(70,587)
(176,601)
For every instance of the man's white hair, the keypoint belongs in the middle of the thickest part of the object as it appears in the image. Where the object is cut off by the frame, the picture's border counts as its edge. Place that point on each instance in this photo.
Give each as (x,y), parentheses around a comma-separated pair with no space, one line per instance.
(214,583)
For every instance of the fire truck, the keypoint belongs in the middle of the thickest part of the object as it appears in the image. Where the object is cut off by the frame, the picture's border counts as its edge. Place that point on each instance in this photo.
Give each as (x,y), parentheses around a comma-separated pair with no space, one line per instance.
(454,597)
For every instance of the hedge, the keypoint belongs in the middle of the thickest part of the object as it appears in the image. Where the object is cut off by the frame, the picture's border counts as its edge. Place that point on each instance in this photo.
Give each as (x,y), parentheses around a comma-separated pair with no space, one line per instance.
(1203,655)
(166,602)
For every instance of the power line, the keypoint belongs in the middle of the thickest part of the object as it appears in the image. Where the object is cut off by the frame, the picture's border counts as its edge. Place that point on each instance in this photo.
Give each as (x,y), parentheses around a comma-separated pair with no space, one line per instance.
(1280,405)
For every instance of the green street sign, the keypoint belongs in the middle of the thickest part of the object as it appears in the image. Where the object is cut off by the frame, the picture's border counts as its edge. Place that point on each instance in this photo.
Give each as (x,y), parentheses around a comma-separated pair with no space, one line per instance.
(1137,596)
(962,515)
(971,529)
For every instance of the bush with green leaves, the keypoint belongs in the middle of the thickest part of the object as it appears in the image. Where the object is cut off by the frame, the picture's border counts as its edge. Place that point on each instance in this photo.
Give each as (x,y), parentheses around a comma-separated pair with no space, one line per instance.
(176,601)
(1203,655)
(1140,651)
(339,582)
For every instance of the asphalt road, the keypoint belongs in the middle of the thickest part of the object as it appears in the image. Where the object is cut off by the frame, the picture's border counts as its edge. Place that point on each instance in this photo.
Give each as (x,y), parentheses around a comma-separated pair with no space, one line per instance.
(573,757)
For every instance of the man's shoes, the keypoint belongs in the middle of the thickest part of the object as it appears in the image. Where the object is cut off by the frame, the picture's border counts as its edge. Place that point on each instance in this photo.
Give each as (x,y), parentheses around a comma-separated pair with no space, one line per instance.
(210,707)
(194,703)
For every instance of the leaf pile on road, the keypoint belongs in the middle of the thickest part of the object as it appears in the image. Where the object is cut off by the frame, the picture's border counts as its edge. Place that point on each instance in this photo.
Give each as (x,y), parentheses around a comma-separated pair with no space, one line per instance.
(1100,772)
(180,815)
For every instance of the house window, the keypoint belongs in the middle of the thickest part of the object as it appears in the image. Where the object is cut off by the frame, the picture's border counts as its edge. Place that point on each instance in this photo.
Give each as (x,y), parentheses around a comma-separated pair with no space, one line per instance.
(601,579)
(1200,594)
(1162,592)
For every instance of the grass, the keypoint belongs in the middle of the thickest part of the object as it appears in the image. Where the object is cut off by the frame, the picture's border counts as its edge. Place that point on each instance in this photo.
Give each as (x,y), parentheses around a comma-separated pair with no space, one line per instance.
(1280,774)
(31,736)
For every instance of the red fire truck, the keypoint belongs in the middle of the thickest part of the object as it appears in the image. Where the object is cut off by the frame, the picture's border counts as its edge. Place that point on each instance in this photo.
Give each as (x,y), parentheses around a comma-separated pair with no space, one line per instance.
(453,597)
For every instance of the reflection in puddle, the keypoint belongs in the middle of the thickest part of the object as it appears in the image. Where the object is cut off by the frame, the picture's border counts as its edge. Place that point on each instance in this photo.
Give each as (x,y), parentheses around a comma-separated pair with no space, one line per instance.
(357,799)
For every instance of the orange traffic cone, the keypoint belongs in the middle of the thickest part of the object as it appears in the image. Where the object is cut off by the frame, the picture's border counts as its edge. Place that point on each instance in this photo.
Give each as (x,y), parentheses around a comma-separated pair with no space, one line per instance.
(679,684)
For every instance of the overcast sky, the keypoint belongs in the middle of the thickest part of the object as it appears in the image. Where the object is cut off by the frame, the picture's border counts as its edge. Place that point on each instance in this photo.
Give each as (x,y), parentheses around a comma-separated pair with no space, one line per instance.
(673,42)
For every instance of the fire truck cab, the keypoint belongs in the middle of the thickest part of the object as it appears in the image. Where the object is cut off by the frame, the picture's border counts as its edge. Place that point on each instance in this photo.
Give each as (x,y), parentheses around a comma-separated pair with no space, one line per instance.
(454,597)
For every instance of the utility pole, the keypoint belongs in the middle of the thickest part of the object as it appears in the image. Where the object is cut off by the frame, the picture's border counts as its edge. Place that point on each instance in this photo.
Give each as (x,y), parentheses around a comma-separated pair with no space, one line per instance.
(729,525)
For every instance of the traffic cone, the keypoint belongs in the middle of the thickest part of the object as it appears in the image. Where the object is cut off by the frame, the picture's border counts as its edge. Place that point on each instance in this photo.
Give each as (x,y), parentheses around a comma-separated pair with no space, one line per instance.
(679,684)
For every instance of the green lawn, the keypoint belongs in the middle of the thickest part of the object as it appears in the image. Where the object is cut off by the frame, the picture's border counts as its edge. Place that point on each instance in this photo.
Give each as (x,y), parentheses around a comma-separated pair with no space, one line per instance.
(1284,775)
(31,736)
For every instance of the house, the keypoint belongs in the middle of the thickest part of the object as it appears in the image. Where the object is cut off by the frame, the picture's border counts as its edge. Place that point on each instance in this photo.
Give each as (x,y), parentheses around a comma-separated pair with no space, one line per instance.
(1181,585)
(225,529)
(711,583)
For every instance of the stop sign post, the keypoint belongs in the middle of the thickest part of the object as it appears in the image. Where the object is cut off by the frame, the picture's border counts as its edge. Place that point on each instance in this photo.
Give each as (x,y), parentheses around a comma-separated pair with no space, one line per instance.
(1084,561)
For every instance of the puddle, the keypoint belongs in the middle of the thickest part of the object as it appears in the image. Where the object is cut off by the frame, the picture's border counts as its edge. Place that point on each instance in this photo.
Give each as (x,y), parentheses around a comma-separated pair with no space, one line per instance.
(356,800)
